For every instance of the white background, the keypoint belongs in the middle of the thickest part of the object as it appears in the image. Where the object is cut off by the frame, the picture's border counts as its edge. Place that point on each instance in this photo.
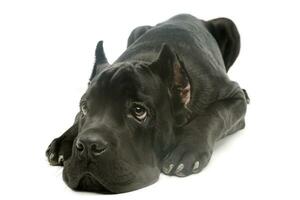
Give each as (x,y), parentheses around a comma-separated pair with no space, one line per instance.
(46,57)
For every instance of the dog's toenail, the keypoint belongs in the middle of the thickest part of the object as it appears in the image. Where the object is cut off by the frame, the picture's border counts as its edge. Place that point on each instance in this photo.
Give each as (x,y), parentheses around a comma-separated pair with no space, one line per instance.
(167,170)
(51,156)
(196,165)
(61,159)
(179,168)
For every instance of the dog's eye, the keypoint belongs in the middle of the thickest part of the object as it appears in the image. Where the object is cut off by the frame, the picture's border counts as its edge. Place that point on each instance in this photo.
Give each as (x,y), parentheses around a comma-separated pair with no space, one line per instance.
(139,112)
(84,108)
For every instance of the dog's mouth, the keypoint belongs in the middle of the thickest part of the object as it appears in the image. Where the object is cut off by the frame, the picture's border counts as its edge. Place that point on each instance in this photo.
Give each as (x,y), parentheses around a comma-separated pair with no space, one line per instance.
(109,183)
(108,176)
(89,183)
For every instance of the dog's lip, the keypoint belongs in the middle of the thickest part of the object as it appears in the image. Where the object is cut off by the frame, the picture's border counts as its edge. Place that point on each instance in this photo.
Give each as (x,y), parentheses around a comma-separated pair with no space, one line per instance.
(102,186)
(110,187)
(113,181)
(105,187)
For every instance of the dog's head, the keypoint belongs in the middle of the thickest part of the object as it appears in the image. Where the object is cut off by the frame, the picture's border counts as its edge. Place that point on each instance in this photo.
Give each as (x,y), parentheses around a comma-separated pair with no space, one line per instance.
(126,123)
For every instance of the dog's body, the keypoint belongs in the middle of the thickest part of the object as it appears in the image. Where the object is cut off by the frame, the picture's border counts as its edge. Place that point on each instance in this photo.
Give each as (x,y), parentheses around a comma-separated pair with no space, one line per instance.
(161,106)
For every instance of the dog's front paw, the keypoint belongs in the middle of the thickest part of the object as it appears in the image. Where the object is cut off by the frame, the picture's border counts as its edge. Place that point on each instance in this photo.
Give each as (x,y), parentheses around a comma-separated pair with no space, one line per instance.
(58,151)
(185,160)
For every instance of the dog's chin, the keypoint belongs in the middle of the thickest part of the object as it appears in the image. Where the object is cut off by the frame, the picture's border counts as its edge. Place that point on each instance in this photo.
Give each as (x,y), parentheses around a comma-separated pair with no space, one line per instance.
(89,183)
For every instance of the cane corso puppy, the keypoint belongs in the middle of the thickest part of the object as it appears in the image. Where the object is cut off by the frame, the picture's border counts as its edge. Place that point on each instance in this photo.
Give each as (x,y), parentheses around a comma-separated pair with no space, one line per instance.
(160,107)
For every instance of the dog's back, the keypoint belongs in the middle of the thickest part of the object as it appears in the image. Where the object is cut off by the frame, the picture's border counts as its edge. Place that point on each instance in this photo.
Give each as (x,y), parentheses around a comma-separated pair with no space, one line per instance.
(195,45)
(187,35)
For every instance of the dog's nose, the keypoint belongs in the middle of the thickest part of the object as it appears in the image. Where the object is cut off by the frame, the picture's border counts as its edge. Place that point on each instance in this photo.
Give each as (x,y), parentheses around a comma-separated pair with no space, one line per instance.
(92,144)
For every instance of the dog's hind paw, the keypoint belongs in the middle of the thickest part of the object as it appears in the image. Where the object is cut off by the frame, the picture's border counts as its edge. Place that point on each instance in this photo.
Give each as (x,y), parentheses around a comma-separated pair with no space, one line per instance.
(182,162)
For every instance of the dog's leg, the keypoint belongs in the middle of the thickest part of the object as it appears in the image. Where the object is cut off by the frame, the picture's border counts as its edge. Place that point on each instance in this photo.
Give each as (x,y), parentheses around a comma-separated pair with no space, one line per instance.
(136,33)
(60,148)
(196,140)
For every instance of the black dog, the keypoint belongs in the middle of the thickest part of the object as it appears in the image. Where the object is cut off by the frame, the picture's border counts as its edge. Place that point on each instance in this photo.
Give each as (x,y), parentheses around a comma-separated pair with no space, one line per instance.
(160,107)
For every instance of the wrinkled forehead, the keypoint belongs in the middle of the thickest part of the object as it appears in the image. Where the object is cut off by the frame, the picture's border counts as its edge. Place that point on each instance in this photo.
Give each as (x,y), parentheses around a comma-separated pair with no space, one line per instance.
(123,81)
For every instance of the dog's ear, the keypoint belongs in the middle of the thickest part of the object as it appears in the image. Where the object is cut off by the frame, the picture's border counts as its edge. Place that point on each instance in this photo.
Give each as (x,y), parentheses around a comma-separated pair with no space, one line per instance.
(227,37)
(100,62)
(173,73)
